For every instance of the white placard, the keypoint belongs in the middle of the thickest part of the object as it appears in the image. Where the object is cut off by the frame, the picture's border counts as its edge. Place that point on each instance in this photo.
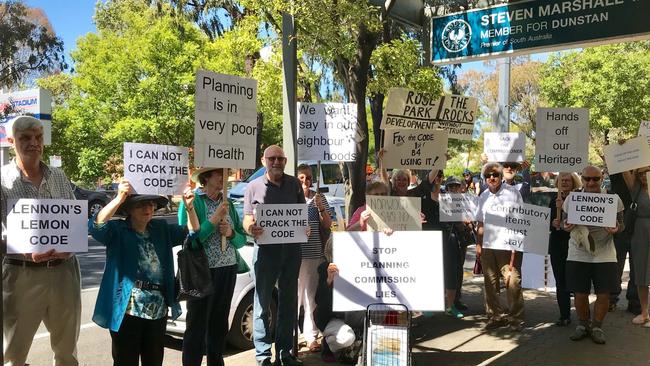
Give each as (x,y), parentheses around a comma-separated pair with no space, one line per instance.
(387,345)
(39,225)
(282,223)
(396,213)
(594,209)
(415,149)
(633,154)
(327,131)
(562,139)
(644,130)
(408,109)
(156,169)
(403,268)
(225,129)
(513,226)
(458,207)
(55,161)
(505,146)
(536,272)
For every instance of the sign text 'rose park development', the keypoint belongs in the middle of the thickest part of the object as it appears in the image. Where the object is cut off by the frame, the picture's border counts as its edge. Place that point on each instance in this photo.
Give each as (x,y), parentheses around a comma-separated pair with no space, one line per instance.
(225,130)
(536,26)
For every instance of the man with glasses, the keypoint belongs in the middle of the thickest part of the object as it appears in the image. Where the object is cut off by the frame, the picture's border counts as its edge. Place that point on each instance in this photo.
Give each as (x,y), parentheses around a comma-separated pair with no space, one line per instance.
(273,263)
(510,170)
(592,263)
(499,263)
(37,287)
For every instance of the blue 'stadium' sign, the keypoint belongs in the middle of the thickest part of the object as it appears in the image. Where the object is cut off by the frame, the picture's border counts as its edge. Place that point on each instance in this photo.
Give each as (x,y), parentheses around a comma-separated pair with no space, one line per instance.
(536,26)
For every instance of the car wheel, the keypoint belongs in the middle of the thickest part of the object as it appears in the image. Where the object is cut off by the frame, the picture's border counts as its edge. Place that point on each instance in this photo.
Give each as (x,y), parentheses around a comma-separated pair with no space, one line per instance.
(240,335)
(94,207)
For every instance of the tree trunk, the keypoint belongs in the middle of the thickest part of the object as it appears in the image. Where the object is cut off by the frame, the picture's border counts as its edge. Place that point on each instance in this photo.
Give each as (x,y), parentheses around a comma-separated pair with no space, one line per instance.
(377,112)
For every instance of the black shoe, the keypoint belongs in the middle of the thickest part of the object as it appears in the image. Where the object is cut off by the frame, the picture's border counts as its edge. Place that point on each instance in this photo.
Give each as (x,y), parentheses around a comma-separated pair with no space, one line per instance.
(265,362)
(460,305)
(563,322)
(288,361)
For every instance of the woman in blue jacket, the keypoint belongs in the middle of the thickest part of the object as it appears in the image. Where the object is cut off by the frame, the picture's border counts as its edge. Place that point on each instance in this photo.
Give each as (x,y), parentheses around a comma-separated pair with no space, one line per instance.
(138,282)
(207,318)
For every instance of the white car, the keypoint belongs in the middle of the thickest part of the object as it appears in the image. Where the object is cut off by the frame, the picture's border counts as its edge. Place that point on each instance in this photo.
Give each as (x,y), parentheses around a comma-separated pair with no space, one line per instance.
(240,317)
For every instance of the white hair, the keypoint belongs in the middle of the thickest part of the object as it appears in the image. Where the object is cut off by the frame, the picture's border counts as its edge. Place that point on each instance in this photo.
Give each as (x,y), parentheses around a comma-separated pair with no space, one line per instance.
(22,123)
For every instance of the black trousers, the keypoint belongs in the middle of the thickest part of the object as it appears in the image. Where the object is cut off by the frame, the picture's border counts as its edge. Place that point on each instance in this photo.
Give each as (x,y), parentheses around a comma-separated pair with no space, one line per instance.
(139,339)
(207,320)
(632,295)
(559,252)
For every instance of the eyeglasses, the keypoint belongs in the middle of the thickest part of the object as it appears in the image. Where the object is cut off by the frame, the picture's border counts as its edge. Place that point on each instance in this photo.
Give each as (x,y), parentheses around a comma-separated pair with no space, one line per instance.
(510,165)
(276,158)
(591,179)
(492,175)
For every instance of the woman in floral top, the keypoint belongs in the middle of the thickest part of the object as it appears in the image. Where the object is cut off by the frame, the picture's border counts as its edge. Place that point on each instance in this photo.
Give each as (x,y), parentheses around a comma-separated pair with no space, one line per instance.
(138,282)
(207,318)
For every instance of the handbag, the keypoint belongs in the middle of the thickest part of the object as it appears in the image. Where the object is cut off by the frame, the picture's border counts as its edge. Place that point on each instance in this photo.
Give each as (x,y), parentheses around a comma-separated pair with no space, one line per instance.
(193,279)
(478,268)
(629,217)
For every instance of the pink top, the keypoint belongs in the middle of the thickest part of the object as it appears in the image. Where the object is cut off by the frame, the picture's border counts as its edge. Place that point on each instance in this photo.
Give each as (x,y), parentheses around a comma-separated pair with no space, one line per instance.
(356,216)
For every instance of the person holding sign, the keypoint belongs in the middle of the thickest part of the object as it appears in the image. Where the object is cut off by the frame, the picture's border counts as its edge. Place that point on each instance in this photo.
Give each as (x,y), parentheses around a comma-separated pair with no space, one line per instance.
(637,183)
(207,318)
(591,260)
(360,217)
(312,254)
(558,244)
(28,295)
(504,263)
(276,263)
(138,282)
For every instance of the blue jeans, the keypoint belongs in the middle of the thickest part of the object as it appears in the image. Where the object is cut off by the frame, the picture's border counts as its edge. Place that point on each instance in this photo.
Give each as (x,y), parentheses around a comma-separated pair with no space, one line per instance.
(275,263)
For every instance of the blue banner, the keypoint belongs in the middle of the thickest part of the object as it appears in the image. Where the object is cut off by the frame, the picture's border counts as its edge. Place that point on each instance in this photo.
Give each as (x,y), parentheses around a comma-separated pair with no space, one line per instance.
(536,26)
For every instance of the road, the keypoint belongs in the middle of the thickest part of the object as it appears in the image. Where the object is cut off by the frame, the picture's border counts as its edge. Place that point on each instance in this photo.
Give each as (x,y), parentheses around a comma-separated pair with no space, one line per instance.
(94,346)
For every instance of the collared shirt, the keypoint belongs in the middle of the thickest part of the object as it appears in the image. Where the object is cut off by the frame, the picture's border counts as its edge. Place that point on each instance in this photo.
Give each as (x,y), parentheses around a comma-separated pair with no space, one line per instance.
(506,193)
(16,186)
(262,190)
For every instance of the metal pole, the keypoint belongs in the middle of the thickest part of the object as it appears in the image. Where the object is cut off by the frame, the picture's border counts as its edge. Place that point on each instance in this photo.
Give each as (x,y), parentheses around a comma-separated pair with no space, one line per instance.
(289,67)
(502,120)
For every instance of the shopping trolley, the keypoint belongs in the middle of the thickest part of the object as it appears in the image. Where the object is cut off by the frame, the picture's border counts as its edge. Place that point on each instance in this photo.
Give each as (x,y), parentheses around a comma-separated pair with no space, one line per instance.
(386,339)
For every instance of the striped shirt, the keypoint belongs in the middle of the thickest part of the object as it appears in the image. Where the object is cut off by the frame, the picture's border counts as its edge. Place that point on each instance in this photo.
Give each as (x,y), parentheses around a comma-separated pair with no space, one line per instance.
(313,248)
(16,186)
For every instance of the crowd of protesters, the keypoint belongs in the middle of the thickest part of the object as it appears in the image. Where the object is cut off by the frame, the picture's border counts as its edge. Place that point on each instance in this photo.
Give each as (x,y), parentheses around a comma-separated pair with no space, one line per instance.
(136,295)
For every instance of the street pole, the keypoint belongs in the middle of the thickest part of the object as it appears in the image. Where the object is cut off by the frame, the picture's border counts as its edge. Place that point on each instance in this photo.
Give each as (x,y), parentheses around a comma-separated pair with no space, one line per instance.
(289,80)
(502,117)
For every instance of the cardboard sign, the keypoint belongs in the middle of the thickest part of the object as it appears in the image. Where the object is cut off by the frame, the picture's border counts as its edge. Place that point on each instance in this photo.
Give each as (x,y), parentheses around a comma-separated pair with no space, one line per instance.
(225,130)
(593,209)
(282,223)
(397,213)
(327,131)
(408,109)
(458,207)
(413,149)
(504,146)
(403,268)
(156,169)
(55,161)
(39,225)
(633,154)
(644,130)
(521,227)
(562,143)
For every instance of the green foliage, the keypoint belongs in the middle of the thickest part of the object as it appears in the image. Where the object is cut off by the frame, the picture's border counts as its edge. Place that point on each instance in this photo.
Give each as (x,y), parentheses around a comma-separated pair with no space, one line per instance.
(28,45)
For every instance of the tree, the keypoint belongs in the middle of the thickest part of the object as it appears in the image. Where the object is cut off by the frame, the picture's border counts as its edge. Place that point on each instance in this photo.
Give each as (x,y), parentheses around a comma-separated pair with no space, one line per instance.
(28,45)
(612,81)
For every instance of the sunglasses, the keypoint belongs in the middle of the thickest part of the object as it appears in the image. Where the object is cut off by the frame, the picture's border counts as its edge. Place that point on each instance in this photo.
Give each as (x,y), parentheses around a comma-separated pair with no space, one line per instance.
(510,165)
(276,158)
(492,175)
(591,179)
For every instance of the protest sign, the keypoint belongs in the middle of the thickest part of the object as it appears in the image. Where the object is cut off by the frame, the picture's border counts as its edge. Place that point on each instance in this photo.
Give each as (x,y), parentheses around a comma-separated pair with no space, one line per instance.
(407,109)
(39,225)
(644,130)
(156,169)
(594,209)
(562,139)
(415,149)
(55,161)
(282,223)
(633,154)
(456,207)
(397,213)
(327,131)
(225,130)
(517,226)
(402,268)
(504,146)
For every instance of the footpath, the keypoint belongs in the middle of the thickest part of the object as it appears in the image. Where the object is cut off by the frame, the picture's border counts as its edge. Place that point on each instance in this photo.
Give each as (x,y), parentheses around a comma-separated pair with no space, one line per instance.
(441,340)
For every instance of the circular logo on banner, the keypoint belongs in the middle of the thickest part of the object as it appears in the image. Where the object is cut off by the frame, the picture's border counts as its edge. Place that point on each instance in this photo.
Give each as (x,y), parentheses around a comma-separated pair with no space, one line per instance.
(456,35)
